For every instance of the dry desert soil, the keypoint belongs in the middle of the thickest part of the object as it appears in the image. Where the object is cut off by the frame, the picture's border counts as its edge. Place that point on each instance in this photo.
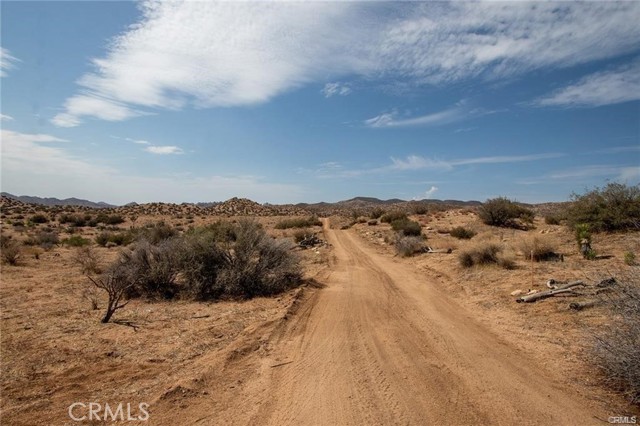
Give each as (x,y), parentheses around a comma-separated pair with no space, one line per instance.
(370,339)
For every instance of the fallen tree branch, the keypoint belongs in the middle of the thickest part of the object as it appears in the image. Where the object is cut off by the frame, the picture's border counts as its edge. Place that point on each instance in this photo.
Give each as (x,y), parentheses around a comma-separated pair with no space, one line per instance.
(543,295)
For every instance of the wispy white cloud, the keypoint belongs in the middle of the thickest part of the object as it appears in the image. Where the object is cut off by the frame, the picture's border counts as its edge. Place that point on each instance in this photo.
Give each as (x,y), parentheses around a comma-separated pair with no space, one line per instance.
(332,89)
(138,141)
(164,150)
(4,117)
(616,172)
(461,111)
(413,163)
(206,54)
(602,88)
(7,61)
(37,164)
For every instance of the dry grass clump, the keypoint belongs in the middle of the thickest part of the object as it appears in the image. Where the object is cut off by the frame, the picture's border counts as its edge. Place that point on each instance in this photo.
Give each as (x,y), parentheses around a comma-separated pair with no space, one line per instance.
(485,253)
(10,250)
(615,350)
(537,248)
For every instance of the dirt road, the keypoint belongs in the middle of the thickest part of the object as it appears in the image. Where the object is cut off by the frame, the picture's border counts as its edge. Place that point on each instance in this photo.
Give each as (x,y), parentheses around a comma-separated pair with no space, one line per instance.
(382,345)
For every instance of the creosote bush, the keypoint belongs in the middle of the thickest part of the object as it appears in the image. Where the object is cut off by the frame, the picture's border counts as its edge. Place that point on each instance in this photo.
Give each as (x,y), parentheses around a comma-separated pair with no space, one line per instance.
(406,227)
(615,207)
(505,213)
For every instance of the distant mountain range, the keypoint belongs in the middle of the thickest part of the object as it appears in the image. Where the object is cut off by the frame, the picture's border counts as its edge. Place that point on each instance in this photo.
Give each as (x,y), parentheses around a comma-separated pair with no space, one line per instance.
(57,202)
(351,203)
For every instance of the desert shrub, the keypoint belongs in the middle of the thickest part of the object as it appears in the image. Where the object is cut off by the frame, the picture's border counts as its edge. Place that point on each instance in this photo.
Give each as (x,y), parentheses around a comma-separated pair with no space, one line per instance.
(152,269)
(393,216)
(39,218)
(376,213)
(9,249)
(253,264)
(504,213)
(114,238)
(630,258)
(582,234)
(155,233)
(552,219)
(300,222)
(408,246)
(76,241)
(615,350)
(44,239)
(462,233)
(372,222)
(538,248)
(201,260)
(87,258)
(115,282)
(484,254)
(114,219)
(258,265)
(300,234)
(406,227)
(419,208)
(613,208)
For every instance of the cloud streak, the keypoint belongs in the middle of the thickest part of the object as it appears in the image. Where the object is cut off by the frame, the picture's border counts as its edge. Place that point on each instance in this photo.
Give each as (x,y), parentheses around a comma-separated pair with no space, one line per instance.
(598,89)
(336,89)
(164,150)
(222,54)
(7,61)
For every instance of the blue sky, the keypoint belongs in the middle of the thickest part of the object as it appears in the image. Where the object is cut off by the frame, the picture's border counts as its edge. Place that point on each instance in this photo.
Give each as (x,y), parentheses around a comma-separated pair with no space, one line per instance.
(322,101)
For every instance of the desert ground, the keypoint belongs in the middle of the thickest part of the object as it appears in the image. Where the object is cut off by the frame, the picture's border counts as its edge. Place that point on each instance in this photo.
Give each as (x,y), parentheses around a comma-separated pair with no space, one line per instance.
(369,338)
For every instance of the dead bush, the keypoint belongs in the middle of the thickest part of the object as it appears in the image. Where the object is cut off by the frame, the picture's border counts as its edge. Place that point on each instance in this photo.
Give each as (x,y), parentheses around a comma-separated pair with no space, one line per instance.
(615,349)
(10,250)
(408,246)
(115,282)
(88,260)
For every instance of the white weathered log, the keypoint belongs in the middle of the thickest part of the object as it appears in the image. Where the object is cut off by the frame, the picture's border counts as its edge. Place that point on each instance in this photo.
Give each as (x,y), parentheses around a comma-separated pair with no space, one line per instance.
(543,295)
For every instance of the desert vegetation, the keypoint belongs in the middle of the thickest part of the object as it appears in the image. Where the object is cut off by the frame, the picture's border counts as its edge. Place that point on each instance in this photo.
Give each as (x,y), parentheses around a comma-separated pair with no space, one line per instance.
(503,212)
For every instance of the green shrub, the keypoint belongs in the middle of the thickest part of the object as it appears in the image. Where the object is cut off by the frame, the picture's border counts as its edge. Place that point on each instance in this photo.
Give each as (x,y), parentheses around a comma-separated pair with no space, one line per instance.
(504,213)
(76,241)
(115,238)
(299,223)
(114,219)
(406,227)
(392,216)
(462,233)
(613,208)
(301,234)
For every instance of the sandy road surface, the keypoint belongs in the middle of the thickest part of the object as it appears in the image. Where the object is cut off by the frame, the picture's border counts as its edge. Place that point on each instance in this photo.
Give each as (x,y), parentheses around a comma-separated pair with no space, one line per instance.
(381,345)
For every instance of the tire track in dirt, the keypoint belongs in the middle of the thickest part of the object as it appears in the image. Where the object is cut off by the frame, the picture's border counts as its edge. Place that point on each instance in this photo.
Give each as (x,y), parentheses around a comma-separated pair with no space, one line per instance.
(382,345)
